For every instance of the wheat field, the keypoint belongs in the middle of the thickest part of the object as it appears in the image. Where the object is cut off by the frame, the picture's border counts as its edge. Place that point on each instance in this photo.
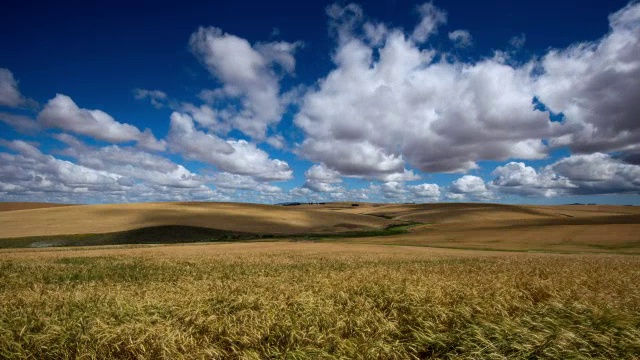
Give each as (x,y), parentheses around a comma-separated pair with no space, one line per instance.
(256,218)
(301,300)
(574,228)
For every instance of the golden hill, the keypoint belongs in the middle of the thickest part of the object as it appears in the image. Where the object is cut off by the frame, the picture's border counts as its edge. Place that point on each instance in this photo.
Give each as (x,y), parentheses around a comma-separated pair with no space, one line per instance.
(11,206)
(253,218)
(454,225)
(517,227)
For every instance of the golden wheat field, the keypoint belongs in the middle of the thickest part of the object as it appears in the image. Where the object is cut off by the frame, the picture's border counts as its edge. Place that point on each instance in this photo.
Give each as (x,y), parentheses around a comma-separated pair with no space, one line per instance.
(337,281)
(224,216)
(315,301)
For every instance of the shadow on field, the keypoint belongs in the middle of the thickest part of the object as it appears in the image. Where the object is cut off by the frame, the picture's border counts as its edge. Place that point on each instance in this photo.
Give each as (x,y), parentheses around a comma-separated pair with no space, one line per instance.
(174,234)
(168,234)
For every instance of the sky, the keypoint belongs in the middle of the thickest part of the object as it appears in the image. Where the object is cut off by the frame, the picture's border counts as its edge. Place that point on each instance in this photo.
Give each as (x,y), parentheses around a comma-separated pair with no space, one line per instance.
(269,102)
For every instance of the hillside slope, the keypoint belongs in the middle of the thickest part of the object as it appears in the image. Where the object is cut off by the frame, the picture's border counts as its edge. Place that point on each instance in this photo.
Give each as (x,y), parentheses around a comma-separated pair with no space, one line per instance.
(253,218)
(453,225)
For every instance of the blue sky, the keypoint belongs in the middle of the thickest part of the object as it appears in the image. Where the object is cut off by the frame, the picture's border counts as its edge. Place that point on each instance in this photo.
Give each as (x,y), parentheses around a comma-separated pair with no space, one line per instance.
(395,101)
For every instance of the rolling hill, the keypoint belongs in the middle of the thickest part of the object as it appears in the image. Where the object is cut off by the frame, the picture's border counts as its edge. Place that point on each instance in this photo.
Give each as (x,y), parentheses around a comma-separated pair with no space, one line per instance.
(457,225)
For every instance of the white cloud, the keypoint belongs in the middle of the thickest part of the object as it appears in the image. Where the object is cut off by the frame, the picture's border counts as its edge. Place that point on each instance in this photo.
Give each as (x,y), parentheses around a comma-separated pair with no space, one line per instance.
(389,104)
(131,163)
(344,19)
(277,141)
(397,191)
(429,191)
(470,187)
(598,173)
(517,178)
(233,156)
(455,197)
(30,171)
(320,178)
(228,181)
(431,18)
(368,117)
(461,38)
(156,97)
(110,174)
(393,190)
(20,123)
(247,73)
(590,174)
(375,32)
(518,41)
(9,94)
(405,175)
(596,85)
(62,113)
(280,53)
(208,117)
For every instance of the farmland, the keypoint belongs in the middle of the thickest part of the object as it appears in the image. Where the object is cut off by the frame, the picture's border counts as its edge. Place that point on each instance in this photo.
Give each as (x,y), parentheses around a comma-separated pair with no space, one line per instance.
(307,294)
(570,228)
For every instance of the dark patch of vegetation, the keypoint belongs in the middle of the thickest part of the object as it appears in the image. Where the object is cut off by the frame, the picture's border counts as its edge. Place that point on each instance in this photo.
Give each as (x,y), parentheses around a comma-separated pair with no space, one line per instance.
(384,216)
(388,231)
(168,234)
(175,234)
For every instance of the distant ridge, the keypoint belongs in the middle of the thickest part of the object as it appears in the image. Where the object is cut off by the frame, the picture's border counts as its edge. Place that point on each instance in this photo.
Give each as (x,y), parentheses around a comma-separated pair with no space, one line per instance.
(13,206)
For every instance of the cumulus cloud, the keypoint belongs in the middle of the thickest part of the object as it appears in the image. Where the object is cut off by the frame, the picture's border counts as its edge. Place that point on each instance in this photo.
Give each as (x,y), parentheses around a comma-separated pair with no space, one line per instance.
(375,32)
(369,116)
(319,178)
(598,173)
(247,73)
(397,191)
(517,178)
(470,187)
(343,20)
(277,141)
(389,103)
(391,106)
(9,94)
(214,120)
(156,97)
(425,191)
(461,38)
(592,174)
(228,181)
(29,172)
(234,156)
(61,112)
(431,18)
(109,174)
(131,163)
(21,123)
(596,85)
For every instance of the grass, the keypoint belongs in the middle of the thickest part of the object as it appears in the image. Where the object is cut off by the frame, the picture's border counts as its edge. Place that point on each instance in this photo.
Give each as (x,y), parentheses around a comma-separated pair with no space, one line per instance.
(611,229)
(317,296)
(316,300)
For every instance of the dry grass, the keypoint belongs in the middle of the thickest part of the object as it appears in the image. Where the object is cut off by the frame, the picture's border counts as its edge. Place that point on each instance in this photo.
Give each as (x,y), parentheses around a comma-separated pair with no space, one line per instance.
(481,226)
(13,206)
(223,216)
(572,228)
(307,300)
(606,238)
